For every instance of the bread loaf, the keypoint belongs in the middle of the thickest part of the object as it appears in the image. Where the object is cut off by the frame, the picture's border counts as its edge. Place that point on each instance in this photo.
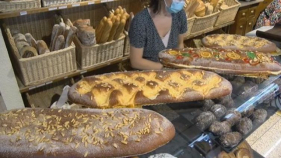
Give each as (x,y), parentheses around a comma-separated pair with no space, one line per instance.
(120,29)
(99,29)
(25,50)
(254,64)
(30,40)
(82,133)
(80,23)
(57,31)
(69,37)
(42,47)
(126,89)
(60,43)
(238,42)
(113,29)
(19,37)
(201,9)
(87,36)
(106,31)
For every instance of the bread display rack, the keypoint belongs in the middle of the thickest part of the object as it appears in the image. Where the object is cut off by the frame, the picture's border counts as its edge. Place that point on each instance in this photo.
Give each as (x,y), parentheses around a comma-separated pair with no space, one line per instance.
(228,14)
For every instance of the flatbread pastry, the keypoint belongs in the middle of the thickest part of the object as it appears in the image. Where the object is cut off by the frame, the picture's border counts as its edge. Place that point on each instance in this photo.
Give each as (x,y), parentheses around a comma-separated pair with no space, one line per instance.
(237,42)
(224,61)
(139,88)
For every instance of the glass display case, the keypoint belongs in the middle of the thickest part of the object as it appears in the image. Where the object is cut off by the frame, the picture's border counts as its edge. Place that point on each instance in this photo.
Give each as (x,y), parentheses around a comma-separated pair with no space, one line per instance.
(190,141)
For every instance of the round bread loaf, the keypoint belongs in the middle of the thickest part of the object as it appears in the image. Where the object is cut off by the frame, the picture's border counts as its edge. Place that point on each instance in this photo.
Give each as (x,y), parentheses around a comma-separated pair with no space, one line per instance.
(220,128)
(218,110)
(244,126)
(204,120)
(82,133)
(259,116)
(232,116)
(230,139)
(207,105)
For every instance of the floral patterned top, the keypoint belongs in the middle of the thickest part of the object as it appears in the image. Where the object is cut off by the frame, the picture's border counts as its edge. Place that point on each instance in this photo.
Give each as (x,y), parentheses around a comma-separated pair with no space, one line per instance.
(271,15)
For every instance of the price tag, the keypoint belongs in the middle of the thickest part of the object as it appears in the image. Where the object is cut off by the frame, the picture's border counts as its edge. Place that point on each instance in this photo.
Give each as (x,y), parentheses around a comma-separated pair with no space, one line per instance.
(75,5)
(90,3)
(23,13)
(110,0)
(103,1)
(40,85)
(31,88)
(62,7)
(53,8)
(83,72)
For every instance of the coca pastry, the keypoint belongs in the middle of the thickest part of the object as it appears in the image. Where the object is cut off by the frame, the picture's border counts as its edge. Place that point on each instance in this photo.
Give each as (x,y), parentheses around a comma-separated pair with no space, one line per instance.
(225,61)
(138,88)
(238,42)
(82,133)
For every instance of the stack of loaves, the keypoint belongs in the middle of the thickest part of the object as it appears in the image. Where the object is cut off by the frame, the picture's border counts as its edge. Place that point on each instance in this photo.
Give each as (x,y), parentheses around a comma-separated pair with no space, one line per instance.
(112,27)
(202,8)
(86,33)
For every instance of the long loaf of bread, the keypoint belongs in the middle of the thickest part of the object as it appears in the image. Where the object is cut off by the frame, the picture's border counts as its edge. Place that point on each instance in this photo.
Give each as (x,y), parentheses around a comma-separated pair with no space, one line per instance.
(238,42)
(106,31)
(82,133)
(127,89)
(226,61)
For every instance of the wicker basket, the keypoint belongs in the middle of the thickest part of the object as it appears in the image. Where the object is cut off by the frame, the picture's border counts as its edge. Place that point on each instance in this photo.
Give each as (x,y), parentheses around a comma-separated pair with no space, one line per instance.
(45,67)
(19,5)
(229,14)
(127,45)
(202,24)
(190,22)
(89,56)
(47,3)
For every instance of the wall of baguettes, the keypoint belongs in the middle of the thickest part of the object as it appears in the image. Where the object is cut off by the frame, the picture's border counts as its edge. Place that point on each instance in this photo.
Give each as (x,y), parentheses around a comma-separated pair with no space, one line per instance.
(41,78)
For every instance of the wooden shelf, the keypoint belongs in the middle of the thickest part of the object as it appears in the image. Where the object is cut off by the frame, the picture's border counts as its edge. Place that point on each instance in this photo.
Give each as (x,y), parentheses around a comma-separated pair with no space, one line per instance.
(51,8)
(24,89)
(210,30)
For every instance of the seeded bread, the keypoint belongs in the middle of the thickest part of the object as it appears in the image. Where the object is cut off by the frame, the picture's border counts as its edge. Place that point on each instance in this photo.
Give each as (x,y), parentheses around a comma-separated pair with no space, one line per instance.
(89,133)
(139,88)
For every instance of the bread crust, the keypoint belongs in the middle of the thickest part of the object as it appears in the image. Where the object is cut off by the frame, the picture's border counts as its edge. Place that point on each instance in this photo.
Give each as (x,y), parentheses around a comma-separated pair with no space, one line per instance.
(268,47)
(218,61)
(134,86)
(90,133)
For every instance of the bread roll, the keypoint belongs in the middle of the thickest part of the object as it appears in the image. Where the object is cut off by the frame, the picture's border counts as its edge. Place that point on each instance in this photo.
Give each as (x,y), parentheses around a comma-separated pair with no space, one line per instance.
(232,116)
(207,105)
(204,120)
(259,116)
(127,89)
(201,9)
(82,133)
(60,43)
(42,47)
(220,128)
(106,31)
(244,126)
(30,40)
(87,36)
(218,110)
(230,139)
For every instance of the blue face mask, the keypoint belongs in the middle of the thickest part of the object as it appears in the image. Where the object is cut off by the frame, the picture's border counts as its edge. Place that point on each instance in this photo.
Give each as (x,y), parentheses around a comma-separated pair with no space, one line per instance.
(175,6)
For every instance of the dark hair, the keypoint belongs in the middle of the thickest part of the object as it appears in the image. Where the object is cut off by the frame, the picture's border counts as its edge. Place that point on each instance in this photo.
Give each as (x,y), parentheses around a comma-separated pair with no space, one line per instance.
(155,5)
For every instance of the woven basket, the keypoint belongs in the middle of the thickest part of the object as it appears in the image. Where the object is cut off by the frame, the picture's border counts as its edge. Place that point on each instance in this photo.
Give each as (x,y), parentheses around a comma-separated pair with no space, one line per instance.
(190,22)
(47,3)
(89,56)
(229,14)
(45,67)
(19,5)
(127,45)
(202,24)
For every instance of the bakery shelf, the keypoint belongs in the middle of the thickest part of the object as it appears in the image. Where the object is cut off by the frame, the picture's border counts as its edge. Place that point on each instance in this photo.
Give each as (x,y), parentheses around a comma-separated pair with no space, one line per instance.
(210,30)
(51,8)
(24,89)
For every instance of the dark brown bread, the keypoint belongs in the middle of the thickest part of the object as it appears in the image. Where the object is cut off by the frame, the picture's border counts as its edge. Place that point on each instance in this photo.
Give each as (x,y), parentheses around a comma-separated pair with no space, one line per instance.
(127,89)
(89,133)
(237,42)
(222,61)
(230,139)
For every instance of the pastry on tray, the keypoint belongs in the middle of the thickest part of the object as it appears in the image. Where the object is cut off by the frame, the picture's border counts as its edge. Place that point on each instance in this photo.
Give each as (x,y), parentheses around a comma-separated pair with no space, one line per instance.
(139,88)
(246,63)
(27,133)
(238,42)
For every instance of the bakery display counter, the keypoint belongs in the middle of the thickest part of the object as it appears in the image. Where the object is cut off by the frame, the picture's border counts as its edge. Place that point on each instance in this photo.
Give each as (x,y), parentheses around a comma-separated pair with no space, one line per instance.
(190,141)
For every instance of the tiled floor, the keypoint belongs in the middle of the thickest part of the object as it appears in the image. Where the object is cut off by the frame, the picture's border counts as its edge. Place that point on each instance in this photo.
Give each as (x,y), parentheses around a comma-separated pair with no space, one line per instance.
(266,140)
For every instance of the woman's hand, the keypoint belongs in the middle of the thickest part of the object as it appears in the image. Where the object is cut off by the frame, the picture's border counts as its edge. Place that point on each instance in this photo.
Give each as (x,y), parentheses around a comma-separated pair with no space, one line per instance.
(138,62)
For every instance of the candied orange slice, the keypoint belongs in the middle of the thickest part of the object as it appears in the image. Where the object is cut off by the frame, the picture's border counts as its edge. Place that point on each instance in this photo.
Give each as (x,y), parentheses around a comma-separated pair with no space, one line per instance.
(206,54)
(233,55)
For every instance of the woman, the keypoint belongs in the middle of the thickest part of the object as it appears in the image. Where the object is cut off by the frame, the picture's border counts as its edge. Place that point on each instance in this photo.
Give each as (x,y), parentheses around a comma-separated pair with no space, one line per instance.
(160,26)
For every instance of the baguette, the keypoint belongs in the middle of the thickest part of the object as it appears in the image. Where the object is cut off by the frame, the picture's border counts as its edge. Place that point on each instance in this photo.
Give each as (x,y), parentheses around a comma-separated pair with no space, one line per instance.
(139,88)
(106,31)
(55,32)
(42,47)
(100,28)
(238,42)
(70,36)
(30,40)
(60,43)
(120,29)
(82,133)
(69,23)
(254,64)
(113,30)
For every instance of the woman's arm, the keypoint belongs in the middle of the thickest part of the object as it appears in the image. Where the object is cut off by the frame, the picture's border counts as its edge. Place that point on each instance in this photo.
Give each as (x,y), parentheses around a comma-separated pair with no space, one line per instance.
(181,39)
(138,62)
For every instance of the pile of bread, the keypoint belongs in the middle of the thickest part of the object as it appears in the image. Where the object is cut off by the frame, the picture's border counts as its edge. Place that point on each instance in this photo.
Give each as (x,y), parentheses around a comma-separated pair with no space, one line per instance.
(202,8)
(62,36)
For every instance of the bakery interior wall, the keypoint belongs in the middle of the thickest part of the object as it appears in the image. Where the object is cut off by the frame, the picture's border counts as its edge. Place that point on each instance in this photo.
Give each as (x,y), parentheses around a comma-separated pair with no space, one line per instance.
(40,26)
